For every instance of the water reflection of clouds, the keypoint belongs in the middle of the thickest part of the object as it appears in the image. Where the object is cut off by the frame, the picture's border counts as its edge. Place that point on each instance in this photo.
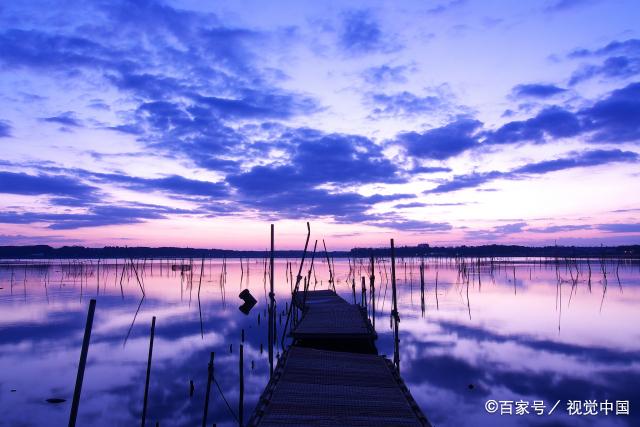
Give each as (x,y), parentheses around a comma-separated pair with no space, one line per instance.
(508,367)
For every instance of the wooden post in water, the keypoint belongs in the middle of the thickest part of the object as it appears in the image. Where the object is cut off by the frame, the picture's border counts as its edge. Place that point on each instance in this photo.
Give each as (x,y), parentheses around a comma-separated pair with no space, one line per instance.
(363,293)
(372,281)
(394,311)
(146,383)
(241,400)
(331,279)
(422,305)
(272,320)
(81,365)
(295,289)
(353,286)
(209,381)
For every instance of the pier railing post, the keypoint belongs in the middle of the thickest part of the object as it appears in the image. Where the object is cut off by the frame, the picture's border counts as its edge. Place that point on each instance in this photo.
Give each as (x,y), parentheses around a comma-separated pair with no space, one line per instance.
(81,365)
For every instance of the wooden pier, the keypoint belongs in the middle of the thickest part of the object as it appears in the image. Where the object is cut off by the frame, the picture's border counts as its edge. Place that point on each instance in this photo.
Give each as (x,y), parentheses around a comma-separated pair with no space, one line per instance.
(332,375)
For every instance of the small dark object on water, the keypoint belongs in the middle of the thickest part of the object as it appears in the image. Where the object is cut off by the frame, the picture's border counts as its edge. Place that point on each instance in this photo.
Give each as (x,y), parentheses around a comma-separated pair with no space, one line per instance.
(249,301)
(230,348)
(180,267)
(470,386)
(13,390)
(56,400)
(191,388)
(253,365)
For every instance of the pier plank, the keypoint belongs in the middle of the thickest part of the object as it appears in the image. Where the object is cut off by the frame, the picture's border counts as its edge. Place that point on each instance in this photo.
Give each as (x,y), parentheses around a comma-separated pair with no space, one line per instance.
(326,388)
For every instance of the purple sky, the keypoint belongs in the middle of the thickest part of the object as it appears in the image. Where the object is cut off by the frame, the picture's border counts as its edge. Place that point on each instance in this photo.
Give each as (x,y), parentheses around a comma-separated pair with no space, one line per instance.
(197,123)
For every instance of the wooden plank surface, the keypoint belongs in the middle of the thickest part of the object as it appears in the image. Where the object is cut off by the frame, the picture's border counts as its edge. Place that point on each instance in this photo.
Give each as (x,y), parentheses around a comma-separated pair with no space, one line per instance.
(325,388)
(326,315)
(317,297)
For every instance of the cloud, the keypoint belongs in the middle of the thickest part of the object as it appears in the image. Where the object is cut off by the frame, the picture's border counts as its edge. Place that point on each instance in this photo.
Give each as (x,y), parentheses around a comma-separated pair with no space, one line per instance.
(574,160)
(173,184)
(620,228)
(627,47)
(190,86)
(563,5)
(66,119)
(410,205)
(5,129)
(298,187)
(429,169)
(497,232)
(319,158)
(361,34)
(425,205)
(95,216)
(554,122)
(258,104)
(613,67)
(613,119)
(384,74)
(583,159)
(414,225)
(558,228)
(537,90)
(66,188)
(616,118)
(445,7)
(404,103)
(443,142)
(460,182)
(39,50)
(622,61)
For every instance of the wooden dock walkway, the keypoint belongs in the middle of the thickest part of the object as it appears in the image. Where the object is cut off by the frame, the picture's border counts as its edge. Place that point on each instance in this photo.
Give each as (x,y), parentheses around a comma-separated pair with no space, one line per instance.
(314,385)
(328,318)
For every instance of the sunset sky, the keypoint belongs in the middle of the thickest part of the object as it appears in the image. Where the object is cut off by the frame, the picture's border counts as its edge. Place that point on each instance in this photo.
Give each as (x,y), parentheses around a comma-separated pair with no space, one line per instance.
(198,123)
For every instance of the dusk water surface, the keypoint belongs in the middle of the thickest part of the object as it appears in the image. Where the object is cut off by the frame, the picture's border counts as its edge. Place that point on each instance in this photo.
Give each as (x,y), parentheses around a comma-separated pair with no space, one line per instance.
(518,331)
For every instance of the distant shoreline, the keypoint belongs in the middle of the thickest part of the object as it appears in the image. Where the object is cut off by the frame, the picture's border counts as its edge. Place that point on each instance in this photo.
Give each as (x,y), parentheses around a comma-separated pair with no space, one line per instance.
(483,251)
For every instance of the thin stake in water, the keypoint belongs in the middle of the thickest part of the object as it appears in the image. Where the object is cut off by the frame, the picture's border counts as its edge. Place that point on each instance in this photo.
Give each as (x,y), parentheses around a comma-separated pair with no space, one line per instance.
(146,383)
(81,365)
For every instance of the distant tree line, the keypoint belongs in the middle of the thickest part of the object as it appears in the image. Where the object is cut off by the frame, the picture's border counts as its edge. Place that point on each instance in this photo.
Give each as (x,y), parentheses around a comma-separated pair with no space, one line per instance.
(484,251)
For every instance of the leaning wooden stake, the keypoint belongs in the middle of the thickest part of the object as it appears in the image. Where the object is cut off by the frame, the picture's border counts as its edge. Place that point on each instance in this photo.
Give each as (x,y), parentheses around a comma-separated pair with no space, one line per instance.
(394,311)
(146,383)
(83,361)
(209,381)
(295,289)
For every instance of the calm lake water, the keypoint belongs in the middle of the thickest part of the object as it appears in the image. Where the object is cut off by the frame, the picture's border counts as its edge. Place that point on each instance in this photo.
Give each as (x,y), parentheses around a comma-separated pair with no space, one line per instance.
(515,331)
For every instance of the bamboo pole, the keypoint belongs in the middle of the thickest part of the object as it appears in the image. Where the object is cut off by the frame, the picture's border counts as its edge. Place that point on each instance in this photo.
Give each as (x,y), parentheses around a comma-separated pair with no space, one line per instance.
(271,304)
(372,281)
(394,311)
(81,365)
(146,383)
(209,381)
(241,400)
